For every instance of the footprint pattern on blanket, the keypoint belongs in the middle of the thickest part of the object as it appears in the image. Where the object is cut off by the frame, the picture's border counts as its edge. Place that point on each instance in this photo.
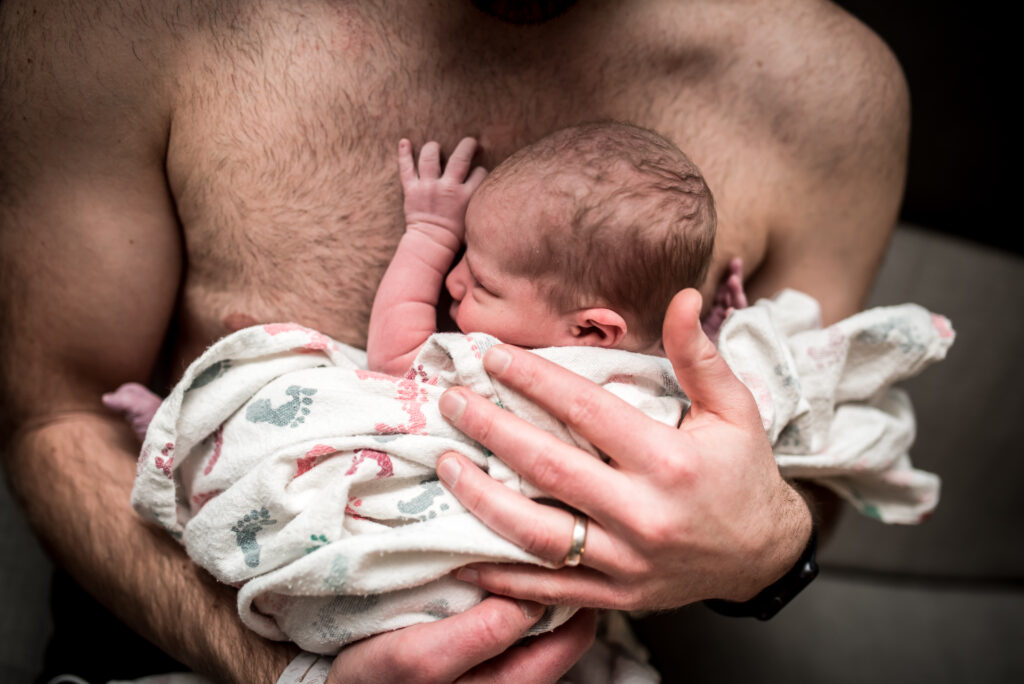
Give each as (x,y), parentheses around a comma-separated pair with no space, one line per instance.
(791,437)
(245,534)
(782,371)
(385,467)
(438,609)
(292,413)
(901,332)
(319,541)
(326,623)
(338,574)
(832,352)
(210,374)
(419,505)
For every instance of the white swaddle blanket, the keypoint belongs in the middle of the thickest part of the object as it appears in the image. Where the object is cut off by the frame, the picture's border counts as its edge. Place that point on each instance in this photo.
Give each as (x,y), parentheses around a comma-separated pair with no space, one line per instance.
(287,469)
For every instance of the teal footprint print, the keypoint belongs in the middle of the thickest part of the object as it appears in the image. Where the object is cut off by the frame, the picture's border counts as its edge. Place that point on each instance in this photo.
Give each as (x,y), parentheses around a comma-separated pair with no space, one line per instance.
(210,374)
(319,541)
(292,413)
(420,503)
(902,333)
(245,534)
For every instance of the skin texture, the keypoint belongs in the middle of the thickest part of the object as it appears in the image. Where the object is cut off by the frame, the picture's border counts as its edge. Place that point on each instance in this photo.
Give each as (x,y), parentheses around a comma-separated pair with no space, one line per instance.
(171,171)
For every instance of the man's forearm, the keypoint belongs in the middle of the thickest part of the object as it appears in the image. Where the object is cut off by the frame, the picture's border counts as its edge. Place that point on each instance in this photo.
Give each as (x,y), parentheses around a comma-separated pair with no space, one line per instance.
(824,504)
(73,477)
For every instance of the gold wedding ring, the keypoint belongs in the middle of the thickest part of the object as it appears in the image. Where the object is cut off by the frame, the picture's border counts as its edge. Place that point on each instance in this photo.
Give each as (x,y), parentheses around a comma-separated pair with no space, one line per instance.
(579,541)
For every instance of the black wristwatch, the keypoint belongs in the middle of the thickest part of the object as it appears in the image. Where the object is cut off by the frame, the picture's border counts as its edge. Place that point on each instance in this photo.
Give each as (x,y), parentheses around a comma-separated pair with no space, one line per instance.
(772,599)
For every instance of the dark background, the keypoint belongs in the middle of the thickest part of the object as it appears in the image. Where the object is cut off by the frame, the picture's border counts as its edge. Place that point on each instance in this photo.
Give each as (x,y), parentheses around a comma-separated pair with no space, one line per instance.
(956,57)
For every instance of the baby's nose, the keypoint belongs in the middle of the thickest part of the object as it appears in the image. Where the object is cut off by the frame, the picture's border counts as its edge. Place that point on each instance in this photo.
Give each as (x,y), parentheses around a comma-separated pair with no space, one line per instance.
(456,281)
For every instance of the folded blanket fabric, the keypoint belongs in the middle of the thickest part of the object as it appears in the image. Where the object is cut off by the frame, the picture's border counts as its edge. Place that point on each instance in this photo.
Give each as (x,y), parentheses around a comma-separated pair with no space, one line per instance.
(287,469)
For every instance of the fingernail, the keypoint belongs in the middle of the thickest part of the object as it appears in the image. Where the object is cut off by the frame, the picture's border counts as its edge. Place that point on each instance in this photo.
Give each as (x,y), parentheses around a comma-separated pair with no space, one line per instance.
(448,470)
(531,610)
(467,575)
(452,405)
(496,360)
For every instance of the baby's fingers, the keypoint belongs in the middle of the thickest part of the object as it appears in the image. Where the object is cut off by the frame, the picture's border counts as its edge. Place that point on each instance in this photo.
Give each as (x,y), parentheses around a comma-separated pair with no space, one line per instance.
(406,166)
(430,161)
(459,161)
(475,179)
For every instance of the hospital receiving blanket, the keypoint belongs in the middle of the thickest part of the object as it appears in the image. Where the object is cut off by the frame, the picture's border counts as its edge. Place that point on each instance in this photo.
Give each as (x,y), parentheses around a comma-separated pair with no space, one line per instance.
(289,470)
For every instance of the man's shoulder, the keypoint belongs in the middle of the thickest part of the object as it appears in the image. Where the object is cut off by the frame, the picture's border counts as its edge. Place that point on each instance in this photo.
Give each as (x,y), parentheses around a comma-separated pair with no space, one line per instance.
(82,62)
(834,70)
(792,69)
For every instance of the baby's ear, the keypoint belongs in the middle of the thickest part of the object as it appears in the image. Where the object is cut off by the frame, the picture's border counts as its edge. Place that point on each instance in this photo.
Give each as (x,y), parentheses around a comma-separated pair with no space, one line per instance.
(597,328)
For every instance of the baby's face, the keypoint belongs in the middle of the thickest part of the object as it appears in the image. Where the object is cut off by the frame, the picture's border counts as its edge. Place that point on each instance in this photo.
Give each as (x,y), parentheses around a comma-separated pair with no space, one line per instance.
(487,297)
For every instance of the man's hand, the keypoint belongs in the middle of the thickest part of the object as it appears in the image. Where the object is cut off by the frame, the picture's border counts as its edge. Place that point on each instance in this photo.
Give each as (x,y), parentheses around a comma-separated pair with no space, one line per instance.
(435,203)
(677,516)
(474,646)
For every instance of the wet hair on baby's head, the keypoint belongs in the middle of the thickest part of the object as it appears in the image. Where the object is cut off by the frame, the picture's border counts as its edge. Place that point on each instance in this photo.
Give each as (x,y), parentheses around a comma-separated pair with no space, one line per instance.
(623,219)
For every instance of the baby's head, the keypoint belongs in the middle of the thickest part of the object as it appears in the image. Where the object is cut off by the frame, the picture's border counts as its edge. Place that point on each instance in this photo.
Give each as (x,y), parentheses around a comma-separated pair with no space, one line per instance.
(583,238)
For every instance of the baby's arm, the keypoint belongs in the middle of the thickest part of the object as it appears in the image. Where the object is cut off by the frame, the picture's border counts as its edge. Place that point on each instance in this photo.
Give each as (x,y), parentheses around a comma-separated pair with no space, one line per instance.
(405,309)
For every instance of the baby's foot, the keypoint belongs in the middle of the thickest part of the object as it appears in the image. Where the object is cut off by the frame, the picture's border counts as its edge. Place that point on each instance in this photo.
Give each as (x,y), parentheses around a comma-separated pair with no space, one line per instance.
(729,296)
(136,403)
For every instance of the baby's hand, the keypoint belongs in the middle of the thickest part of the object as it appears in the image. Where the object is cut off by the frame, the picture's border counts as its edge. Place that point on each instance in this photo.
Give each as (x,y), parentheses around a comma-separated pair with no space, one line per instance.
(729,296)
(435,203)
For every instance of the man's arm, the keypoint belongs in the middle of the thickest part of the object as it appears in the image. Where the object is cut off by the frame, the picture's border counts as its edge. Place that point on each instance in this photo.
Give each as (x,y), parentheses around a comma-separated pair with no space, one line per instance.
(844,164)
(90,261)
(405,308)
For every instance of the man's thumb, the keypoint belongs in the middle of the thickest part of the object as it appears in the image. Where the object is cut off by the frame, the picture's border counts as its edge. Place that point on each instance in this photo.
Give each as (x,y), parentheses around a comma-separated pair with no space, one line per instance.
(701,371)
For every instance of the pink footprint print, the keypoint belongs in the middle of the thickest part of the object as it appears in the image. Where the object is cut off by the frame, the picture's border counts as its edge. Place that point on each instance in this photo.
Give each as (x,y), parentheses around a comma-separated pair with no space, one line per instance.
(317,341)
(386,469)
(166,459)
(313,458)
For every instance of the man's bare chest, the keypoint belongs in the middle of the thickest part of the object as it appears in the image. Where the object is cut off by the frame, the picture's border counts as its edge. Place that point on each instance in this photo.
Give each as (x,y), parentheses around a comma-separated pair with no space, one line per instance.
(282,158)
(284,172)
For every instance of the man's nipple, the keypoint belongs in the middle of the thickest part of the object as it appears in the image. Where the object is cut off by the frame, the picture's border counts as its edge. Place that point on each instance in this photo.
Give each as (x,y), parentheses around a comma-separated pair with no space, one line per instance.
(238,320)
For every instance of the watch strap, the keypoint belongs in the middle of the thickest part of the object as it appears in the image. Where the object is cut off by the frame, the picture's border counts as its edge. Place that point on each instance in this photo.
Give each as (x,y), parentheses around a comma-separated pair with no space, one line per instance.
(774,598)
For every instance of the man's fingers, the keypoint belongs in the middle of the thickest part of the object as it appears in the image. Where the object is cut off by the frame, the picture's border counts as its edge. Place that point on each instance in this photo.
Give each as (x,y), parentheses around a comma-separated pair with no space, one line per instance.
(544,658)
(460,159)
(702,373)
(406,165)
(439,651)
(485,630)
(620,430)
(430,161)
(567,586)
(557,468)
(544,531)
